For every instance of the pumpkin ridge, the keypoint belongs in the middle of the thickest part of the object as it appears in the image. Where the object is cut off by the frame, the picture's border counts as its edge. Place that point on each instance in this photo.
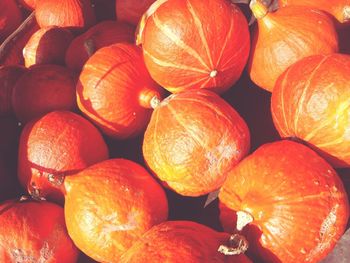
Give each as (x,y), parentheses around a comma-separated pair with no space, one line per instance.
(225,66)
(188,85)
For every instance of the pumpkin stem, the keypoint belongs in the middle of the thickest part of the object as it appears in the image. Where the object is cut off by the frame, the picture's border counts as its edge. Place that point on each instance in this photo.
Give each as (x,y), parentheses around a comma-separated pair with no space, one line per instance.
(259,9)
(213,73)
(89,46)
(243,219)
(35,192)
(149,98)
(237,245)
(56,180)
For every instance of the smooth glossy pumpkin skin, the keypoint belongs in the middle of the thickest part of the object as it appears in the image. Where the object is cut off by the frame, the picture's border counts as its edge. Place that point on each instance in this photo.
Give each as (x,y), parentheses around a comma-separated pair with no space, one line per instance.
(8,77)
(10,18)
(298,203)
(47,46)
(311,102)
(180,241)
(109,205)
(59,144)
(340,9)
(115,91)
(72,14)
(33,231)
(194,44)
(193,139)
(43,89)
(103,34)
(131,11)
(285,36)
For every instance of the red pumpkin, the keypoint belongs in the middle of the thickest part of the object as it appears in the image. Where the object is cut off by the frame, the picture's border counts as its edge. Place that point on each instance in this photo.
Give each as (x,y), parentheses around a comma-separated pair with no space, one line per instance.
(290,203)
(10,18)
(311,102)
(194,44)
(193,139)
(8,77)
(47,46)
(285,36)
(101,35)
(72,14)
(43,89)
(55,146)
(38,233)
(131,11)
(116,92)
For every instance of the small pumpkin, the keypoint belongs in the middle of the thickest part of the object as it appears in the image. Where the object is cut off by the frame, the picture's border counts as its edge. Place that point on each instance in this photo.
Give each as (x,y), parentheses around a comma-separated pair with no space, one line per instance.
(10,18)
(288,201)
(116,92)
(285,36)
(47,46)
(311,101)
(42,89)
(131,11)
(194,243)
(109,205)
(194,44)
(58,144)
(103,34)
(193,139)
(38,233)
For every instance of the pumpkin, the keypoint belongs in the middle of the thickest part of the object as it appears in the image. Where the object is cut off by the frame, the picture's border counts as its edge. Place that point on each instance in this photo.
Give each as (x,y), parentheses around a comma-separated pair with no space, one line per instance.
(131,11)
(285,36)
(47,46)
(38,233)
(8,77)
(43,89)
(288,201)
(71,14)
(116,92)
(103,34)
(10,18)
(193,139)
(340,9)
(194,243)
(27,4)
(194,44)
(55,146)
(109,205)
(311,102)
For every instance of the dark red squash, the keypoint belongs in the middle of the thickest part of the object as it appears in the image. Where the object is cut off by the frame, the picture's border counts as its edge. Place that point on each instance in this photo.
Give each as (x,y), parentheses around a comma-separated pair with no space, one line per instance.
(131,11)
(10,18)
(288,201)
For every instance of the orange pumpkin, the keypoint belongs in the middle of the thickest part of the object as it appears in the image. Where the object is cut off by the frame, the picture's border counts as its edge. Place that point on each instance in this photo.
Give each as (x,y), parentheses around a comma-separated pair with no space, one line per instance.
(101,35)
(116,92)
(10,18)
(193,139)
(131,11)
(285,36)
(47,46)
(38,233)
(288,201)
(184,241)
(340,9)
(109,205)
(55,146)
(311,102)
(194,44)
(72,14)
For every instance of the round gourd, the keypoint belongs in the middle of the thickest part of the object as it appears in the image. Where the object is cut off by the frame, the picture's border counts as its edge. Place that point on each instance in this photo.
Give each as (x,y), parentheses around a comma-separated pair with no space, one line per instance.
(131,11)
(10,18)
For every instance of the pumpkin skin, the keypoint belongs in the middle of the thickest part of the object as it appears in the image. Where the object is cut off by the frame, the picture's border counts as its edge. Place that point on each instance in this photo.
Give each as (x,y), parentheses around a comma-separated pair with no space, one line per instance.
(55,146)
(311,102)
(71,14)
(194,44)
(101,35)
(194,243)
(283,37)
(109,205)
(193,139)
(131,11)
(8,77)
(47,46)
(338,8)
(38,233)
(10,18)
(116,92)
(286,189)
(43,89)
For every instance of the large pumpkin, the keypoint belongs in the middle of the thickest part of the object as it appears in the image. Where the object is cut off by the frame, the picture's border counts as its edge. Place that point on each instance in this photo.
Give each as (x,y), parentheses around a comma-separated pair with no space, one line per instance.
(311,101)
(289,202)
(194,44)
(193,139)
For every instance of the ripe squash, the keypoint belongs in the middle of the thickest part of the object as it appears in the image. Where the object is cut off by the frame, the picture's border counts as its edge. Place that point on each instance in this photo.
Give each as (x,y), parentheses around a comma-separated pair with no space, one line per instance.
(10,18)
(131,11)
